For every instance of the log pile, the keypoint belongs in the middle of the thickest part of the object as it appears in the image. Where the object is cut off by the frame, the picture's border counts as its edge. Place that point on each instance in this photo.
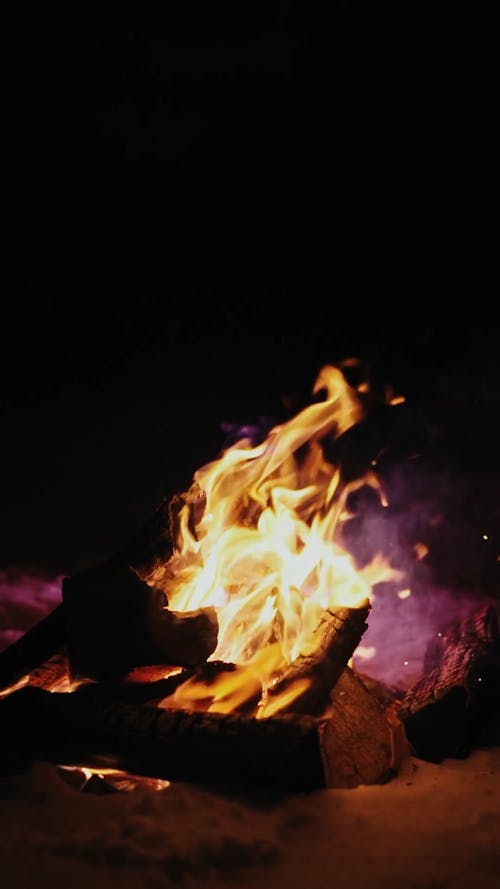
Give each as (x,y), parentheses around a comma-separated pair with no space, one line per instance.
(356,743)
(116,636)
(460,685)
(115,621)
(334,734)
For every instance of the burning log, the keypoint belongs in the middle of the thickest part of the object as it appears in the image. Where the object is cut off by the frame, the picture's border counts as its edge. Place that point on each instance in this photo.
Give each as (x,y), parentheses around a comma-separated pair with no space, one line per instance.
(190,636)
(318,666)
(461,680)
(115,622)
(154,542)
(292,753)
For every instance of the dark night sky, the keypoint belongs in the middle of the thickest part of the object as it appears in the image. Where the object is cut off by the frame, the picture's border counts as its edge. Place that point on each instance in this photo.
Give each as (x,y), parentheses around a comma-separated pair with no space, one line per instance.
(205,203)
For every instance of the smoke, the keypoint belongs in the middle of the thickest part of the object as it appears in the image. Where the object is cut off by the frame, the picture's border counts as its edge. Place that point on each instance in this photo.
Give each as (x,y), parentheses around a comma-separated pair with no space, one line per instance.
(433,532)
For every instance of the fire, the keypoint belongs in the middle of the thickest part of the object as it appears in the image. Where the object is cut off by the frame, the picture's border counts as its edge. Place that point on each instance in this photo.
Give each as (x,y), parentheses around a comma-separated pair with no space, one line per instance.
(261,542)
(113,779)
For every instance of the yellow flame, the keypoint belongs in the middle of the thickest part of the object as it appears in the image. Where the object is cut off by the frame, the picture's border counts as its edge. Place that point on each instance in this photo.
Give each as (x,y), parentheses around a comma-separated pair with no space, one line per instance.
(264,550)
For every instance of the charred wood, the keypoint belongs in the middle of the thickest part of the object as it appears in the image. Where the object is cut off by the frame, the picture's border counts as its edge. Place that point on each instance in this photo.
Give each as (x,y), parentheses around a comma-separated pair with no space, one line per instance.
(172,744)
(323,660)
(115,622)
(154,543)
(444,710)
(291,753)
(150,545)
(34,647)
(154,690)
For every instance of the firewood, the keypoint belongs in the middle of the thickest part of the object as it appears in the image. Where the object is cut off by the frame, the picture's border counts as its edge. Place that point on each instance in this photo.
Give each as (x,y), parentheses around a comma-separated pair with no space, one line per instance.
(444,710)
(35,646)
(385,693)
(150,545)
(115,622)
(154,690)
(321,662)
(290,753)
(364,737)
(52,674)
(154,543)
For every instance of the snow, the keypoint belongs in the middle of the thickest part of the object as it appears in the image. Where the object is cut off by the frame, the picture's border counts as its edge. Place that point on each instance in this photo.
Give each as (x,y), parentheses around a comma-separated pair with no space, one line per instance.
(430,827)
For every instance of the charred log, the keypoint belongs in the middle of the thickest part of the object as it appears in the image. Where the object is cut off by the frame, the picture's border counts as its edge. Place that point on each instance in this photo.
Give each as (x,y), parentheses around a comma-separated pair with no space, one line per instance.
(384,693)
(115,622)
(154,543)
(154,690)
(320,664)
(34,647)
(443,712)
(150,545)
(291,753)
(53,674)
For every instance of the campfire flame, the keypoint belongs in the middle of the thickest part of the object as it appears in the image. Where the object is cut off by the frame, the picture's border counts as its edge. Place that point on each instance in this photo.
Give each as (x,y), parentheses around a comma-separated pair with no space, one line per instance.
(261,544)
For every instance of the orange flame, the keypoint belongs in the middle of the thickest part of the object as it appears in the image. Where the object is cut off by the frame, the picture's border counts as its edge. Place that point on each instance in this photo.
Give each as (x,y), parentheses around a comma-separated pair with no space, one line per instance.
(265,552)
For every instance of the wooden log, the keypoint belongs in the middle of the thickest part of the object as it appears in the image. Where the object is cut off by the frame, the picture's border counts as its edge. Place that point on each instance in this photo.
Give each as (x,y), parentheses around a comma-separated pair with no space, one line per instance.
(35,646)
(115,622)
(152,546)
(365,739)
(192,633)
(290,753)
(53,674)
(321,662)
(155,690)
(444,710)
(384,693)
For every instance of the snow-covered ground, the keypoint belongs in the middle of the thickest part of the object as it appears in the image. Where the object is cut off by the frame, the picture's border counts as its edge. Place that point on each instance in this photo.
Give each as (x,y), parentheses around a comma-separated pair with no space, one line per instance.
(432,826)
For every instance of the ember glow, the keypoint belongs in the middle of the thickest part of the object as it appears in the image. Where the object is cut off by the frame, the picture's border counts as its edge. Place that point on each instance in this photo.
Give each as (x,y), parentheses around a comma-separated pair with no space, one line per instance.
(112,779)
(261,542)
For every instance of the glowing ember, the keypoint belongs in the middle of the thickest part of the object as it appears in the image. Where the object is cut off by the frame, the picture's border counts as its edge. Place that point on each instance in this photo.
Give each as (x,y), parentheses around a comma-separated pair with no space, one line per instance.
(261,542)
(112,779)
(421,550)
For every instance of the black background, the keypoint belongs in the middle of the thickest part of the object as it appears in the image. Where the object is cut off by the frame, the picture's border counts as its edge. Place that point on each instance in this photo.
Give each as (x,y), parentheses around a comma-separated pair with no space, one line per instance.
(207,202)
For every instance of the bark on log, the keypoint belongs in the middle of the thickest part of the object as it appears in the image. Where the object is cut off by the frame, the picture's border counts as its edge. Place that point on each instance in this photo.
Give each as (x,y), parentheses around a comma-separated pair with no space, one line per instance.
(323,660)
(116,622)
(444,710)
(291,753)
(37,644)
(53,674)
